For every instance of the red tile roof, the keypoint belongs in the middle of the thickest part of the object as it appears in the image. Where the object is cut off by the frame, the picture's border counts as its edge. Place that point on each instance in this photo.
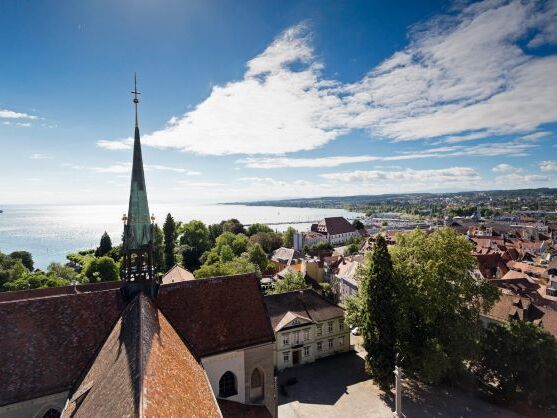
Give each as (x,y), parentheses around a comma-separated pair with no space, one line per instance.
(337,225)
(143,369)
(47,342)
(217,314)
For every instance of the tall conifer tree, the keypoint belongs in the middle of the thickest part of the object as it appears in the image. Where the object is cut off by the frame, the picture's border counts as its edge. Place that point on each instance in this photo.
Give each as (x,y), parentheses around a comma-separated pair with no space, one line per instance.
(169,231)
(105,245)
(379,315)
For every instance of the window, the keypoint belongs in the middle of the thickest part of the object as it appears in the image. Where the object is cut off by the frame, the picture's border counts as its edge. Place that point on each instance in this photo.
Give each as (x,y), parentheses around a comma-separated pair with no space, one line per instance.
(330,324)
(295,322)
(319,346)
(319,330)
(306,351)
(330,344)
(341,341)
(286,356)
(227,385)
(341,324)
(256,389)
(285,339)
(297,337)
(306,334)
(52,413)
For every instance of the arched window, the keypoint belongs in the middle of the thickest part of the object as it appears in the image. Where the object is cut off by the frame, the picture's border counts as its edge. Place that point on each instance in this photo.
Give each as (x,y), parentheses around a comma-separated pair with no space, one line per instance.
(52,413)
(227,385)
(257,385)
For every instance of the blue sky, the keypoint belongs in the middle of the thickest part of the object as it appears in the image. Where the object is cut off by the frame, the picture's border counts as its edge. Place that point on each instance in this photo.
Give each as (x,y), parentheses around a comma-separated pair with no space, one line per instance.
(259,100)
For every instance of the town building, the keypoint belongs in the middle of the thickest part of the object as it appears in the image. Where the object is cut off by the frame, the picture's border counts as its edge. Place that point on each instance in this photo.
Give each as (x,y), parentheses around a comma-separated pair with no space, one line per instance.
(177,274)
(307,327)
(334,230)
(138,348)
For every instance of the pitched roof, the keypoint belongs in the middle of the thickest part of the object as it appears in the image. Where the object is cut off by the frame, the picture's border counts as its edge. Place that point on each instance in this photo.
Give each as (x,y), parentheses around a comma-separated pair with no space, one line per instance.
(143,369)
(488,264)
(337,225)
(48,341)
(177,274)
(217,314)
(305,303)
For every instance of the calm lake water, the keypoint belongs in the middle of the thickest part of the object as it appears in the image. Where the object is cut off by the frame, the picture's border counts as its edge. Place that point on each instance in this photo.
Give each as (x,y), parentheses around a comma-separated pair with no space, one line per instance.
(51,232)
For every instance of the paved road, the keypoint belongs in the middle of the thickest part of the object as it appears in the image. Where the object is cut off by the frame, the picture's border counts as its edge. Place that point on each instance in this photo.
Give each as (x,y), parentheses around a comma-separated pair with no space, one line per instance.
(339,387)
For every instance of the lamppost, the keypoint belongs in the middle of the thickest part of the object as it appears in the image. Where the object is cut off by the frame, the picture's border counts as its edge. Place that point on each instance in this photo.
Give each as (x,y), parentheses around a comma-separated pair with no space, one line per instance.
(398,389)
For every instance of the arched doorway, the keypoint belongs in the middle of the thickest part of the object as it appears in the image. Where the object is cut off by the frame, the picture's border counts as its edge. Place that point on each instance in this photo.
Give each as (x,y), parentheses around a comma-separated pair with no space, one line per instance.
(227,385)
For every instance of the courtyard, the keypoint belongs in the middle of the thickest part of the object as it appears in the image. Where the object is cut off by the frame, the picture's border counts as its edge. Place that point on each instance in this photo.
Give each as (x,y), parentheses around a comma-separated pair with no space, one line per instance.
(339,387)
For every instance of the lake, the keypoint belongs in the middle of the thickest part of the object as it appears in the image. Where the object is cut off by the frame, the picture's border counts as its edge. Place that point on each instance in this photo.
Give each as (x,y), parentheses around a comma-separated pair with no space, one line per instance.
(50,232)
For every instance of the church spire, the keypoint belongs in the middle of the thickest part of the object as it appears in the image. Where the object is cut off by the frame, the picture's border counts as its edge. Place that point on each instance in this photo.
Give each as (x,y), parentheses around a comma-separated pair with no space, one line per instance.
(138,247)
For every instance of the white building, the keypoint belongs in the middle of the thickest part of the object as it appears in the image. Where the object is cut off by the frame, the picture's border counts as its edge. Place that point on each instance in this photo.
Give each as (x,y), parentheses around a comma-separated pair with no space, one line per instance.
(335,230)
(307,327)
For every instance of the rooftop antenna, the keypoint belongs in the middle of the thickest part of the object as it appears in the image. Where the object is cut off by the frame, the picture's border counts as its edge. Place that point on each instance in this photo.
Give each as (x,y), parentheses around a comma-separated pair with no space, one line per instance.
(135,98)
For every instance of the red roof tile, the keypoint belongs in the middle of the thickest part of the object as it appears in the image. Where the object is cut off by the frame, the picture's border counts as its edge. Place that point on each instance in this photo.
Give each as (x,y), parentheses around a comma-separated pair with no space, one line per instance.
(217,314)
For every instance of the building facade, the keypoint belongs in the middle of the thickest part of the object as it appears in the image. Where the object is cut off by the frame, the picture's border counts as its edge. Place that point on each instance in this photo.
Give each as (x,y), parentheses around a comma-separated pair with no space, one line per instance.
(307,327)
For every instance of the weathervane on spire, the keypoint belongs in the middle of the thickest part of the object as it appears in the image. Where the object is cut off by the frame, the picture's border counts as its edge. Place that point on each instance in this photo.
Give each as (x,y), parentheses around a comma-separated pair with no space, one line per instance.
(135,99)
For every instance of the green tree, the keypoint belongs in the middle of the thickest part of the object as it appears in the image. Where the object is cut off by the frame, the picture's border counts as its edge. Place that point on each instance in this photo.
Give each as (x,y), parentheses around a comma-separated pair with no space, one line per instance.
(169,231)
(25,257)
(291,281)
(352,249)
(234,226)
(440,301)
(378,294)
(34,281)
(105,245)
(226,254)
(61,271)
(238,265)
(358,224)
(288,237)
(194,237)
(258,257)
(255,228)
(240,244)
(102,269)
(214,231)
(520,358)
(269,241)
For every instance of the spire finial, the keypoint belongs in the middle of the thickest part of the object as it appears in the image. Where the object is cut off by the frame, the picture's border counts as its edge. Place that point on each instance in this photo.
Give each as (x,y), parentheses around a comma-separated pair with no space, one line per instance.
(135,99)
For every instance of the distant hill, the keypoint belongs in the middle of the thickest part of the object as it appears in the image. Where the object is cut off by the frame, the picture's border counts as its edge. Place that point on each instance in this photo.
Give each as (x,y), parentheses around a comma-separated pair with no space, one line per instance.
(532,198)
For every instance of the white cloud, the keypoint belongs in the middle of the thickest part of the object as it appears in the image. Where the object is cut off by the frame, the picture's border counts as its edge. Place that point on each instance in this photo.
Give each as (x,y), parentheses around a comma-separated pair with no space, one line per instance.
(10,114)
(38,156)
(452,174)
(115,145)
(506,168)
(462,76)
(548,166)
(125,168)
(535,136)
(510,179)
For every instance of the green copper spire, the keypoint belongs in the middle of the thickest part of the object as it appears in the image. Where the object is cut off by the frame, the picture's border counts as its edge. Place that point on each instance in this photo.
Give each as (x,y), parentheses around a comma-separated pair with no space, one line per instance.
(139,231)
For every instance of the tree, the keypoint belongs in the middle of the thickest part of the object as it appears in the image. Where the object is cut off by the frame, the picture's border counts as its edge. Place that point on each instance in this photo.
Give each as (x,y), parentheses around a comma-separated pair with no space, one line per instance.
(238,265)
(520,358)
(234,226)
(25,257)
(358,224)
(34,281)
(269,241)
(105,245)
(102,269)
(226,254)
(169,232)
(352,249)
(63,272)
(288,237)
(255,228)
(378,294)
(214,231)
(194,237)
(440,301)
(291,281)
(258,257)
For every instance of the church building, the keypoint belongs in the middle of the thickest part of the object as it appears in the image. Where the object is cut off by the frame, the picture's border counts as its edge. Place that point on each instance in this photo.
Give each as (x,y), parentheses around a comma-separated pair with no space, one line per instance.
(194,348)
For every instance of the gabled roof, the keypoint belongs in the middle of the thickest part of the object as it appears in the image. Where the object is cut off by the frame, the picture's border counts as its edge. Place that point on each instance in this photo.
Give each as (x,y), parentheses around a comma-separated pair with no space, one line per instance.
(217,314)
(177,274)
(143,369)
(47,342)
(337,225)
(305,303)
(288,318)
